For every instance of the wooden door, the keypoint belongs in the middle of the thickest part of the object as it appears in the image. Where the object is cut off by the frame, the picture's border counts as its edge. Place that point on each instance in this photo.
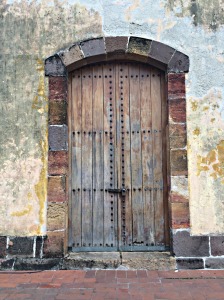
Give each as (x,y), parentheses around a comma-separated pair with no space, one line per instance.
(118,162)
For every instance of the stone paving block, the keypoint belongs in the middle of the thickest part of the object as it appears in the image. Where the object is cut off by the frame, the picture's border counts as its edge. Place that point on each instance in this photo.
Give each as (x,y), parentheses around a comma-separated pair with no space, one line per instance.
(148,260)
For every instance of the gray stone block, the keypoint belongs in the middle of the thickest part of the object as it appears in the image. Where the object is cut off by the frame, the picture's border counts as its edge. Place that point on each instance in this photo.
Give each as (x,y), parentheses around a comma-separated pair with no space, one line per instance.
(217,245)
(93,47)
(2,246)
(116,44)
(7,264)
(185,245)
(179,63)
(54,66)
(72,55)
(139,46)
(190,263)
(37,264)
(161,52)
(58,137)
(214,263)
(20,246)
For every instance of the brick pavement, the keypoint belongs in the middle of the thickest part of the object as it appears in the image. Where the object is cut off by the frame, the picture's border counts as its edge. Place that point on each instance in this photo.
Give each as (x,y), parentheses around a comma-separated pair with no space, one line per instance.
(112,284)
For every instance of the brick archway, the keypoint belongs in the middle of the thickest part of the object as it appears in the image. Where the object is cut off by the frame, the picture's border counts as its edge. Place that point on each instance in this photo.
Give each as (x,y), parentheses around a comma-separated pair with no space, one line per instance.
(57,67)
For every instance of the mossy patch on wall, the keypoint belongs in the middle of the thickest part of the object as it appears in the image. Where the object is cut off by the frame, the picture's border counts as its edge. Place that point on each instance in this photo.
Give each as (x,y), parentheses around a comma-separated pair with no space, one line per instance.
(209,13)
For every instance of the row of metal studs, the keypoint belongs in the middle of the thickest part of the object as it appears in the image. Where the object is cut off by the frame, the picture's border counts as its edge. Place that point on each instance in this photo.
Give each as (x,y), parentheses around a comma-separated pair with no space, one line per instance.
(111,150)
(131,76)
(100,132)
(123,210)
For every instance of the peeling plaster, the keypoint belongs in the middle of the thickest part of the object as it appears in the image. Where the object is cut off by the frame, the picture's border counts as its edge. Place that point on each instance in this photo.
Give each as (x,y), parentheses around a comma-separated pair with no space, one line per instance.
(206,162)
(31,31)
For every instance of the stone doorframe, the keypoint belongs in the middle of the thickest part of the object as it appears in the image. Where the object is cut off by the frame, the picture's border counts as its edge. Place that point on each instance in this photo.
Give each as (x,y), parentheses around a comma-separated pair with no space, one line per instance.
(175,64)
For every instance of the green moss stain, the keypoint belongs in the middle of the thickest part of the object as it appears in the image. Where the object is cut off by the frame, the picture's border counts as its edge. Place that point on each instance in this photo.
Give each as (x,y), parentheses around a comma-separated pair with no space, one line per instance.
(209,13)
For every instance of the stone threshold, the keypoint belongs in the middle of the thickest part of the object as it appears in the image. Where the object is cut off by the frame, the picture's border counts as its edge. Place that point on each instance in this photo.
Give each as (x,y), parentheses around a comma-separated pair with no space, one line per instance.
(94,260)
(120,260)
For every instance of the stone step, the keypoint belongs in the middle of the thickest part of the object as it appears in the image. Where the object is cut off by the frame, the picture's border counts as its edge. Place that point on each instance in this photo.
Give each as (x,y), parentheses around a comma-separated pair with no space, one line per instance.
(119,260)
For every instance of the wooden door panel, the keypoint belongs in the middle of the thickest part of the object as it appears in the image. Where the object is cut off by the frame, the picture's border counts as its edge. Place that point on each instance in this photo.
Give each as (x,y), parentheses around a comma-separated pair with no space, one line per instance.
(76,141)
(97,156)
(87,158)
(147,155)
(125,207)
(136,157)
(117,142)
(157,155)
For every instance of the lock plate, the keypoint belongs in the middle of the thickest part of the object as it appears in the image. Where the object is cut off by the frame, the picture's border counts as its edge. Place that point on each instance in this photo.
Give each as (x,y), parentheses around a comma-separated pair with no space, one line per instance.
(121,191)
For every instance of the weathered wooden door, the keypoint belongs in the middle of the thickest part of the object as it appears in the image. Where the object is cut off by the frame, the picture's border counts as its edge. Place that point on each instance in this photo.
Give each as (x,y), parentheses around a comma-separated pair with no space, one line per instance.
(118,169)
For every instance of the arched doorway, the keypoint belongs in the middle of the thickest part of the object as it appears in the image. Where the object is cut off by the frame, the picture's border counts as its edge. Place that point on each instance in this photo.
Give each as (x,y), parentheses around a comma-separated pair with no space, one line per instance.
(118,158)
(156,58)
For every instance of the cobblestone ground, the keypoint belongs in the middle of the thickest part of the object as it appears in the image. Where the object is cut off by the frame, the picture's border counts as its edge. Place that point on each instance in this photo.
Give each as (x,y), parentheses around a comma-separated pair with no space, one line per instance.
(112,284)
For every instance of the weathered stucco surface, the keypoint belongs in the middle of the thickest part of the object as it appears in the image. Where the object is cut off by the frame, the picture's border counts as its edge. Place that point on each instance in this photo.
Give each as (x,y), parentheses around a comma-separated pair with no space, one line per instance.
(30,31)
(33,30)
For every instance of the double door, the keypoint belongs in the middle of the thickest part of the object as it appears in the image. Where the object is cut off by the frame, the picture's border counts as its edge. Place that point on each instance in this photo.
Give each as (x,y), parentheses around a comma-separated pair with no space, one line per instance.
(118,158)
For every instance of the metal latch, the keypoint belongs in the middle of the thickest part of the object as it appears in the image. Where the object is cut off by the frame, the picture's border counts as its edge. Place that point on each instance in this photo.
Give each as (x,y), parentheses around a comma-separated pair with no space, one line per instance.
(122,191)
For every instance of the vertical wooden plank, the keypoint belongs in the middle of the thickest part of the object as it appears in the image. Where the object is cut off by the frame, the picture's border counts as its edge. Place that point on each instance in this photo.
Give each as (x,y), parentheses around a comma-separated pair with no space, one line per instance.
(87,157)
(120,205)
(110,200)
(165,137)
(125,215)
(98,157)
(157,156)
(136,159)
(147,159)
(76,168)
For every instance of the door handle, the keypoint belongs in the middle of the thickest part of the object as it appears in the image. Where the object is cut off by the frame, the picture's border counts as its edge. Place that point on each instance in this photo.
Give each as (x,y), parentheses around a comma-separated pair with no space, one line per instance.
(122,191)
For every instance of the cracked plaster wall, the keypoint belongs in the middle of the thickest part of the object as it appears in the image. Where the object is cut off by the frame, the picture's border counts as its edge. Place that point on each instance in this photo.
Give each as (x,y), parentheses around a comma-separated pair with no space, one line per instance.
(33,30)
